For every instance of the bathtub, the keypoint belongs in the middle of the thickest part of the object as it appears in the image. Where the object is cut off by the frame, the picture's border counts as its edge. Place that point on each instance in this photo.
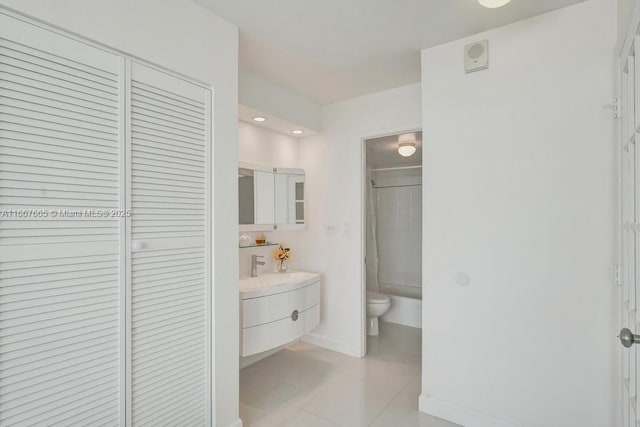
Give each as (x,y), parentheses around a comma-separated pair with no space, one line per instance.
(406,304)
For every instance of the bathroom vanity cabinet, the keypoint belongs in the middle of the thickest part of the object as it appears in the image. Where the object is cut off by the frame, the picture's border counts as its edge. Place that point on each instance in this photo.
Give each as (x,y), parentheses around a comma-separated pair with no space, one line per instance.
(276,309)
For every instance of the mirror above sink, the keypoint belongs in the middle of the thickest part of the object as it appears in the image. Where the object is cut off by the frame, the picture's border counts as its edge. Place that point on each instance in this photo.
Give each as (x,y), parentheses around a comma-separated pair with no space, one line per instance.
(270,198)
(289,198)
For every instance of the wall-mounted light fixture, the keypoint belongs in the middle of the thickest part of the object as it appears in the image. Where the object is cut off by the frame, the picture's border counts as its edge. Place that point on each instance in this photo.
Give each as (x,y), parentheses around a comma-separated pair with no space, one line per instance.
(407,144)
(492,4)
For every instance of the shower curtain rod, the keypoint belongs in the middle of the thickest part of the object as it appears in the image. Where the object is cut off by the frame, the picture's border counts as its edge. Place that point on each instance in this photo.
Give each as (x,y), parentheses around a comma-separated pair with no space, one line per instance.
(397,168)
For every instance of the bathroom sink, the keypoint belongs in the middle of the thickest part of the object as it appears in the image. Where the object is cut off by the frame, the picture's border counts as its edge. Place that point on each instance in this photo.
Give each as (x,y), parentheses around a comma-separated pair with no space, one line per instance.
(273,283)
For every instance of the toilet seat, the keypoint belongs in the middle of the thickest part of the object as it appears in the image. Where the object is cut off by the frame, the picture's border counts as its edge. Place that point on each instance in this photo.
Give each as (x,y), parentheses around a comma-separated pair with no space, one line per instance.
(377,298)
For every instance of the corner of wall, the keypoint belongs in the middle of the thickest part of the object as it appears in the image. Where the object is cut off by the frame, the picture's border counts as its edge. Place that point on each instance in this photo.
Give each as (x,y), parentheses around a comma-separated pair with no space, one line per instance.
(236,423)
(256,92)
(458,415)
(333,345)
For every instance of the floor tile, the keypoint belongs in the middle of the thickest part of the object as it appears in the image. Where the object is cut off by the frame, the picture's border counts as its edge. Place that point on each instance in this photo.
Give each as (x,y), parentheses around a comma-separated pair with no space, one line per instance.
(395,339)
(393,374)
(290,416)
(415,386)
(255,405)
(304,385)
(285,366)
(403,411)
(349,402)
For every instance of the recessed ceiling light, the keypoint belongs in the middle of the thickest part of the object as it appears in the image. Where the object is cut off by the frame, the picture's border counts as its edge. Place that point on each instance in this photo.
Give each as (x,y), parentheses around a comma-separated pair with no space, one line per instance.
(492,4)
(297,132)
(259,119)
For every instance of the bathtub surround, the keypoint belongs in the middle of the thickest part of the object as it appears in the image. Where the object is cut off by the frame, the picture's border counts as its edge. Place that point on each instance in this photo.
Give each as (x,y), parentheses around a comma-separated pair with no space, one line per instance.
(521,197)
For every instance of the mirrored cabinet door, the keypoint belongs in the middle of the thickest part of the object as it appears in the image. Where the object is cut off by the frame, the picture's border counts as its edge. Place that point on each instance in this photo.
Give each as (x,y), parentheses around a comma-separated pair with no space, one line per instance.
(264,197)
(246,202)
(255,198)
(270,198)
(289,198)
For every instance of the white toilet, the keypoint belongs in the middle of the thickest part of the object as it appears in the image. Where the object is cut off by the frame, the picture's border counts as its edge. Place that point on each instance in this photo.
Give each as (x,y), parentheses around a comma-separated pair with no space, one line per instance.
(377,305)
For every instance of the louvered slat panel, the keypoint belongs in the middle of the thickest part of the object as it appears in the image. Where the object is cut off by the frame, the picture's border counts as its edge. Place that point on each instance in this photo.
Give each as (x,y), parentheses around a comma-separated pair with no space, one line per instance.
(60,273)
(168,271)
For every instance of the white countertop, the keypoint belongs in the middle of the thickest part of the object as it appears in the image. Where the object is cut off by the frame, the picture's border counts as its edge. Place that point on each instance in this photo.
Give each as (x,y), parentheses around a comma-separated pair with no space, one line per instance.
(275,283)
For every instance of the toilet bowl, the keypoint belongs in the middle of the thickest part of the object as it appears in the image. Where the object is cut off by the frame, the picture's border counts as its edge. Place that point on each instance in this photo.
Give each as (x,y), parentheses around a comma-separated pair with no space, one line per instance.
(377,305)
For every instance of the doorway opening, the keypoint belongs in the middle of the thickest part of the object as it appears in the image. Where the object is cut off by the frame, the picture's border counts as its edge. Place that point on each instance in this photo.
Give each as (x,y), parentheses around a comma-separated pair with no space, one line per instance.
(392,288)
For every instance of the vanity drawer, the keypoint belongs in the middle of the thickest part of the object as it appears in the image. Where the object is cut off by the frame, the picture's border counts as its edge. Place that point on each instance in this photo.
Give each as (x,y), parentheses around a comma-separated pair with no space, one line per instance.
(271,335)
(261,310)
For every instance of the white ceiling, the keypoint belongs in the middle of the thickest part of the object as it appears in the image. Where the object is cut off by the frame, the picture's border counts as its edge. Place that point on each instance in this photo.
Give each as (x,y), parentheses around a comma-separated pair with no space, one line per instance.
(332,50)
(383,153)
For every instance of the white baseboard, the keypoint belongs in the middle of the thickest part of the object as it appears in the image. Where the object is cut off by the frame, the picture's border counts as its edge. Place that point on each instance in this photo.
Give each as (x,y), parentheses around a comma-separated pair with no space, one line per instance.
(456,414)
(331,344)
(236,423)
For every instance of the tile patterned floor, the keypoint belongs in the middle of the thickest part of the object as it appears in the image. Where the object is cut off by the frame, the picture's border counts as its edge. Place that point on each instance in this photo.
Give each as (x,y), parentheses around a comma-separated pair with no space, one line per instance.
(308,386)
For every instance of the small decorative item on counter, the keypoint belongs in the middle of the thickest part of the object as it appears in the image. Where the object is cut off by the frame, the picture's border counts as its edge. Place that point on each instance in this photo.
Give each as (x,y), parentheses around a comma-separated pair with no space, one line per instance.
(261,240)
(245,240)
(282,255)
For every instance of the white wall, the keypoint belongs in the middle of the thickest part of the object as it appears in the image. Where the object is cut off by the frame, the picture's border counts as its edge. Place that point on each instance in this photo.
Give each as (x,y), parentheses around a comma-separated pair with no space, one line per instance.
(267,148)
(188,39)
(519,192)
(625,11)
(267,97)
(334,198)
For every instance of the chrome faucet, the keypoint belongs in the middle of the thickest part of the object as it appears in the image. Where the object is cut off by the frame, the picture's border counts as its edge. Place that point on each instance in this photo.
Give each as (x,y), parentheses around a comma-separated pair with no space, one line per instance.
(254,264)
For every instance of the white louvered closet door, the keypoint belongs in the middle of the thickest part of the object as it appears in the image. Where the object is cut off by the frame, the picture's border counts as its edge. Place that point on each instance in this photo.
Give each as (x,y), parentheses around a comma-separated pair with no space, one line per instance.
(61,239)
(169,276)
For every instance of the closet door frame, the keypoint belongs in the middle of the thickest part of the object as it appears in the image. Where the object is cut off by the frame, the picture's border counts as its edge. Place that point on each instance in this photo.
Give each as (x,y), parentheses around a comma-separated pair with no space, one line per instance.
(124,135)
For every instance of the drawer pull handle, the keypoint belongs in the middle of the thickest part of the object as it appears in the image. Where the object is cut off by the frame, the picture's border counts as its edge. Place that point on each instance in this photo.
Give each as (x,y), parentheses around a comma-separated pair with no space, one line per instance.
(294,315)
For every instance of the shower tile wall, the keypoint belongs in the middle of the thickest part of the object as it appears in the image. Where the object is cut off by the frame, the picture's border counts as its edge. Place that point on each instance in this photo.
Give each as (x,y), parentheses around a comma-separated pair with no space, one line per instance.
(398,206)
